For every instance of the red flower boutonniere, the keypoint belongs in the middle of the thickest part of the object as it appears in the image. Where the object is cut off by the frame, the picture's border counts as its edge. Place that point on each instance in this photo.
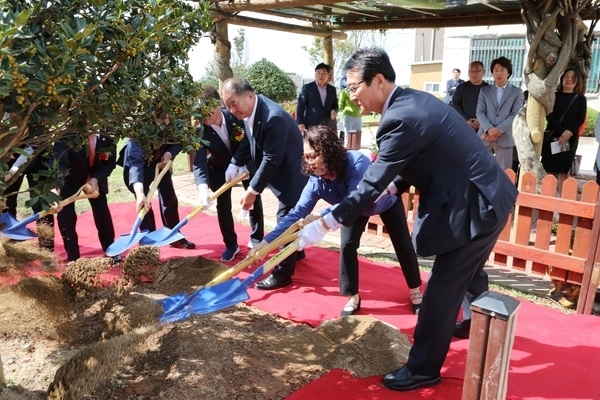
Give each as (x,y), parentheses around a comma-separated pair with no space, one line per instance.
(103,156)
(237,133)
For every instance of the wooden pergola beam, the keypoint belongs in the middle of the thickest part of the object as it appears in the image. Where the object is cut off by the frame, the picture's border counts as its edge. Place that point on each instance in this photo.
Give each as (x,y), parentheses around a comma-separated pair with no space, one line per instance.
(279,26)
(507,17)
(259,5)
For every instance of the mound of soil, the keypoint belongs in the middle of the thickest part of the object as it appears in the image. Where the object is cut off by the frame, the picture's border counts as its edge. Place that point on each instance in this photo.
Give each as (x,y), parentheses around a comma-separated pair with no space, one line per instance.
(77,338)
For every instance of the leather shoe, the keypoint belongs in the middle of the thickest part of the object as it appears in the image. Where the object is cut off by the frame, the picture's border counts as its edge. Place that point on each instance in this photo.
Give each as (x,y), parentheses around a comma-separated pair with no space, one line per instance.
(273,282)
(300,255)
(183,244)
(404,379)
(351,307)
(115,259)
(462,329)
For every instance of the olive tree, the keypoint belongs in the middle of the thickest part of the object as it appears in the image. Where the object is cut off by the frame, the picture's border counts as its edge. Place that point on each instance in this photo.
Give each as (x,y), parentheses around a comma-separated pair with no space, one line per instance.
(77,66)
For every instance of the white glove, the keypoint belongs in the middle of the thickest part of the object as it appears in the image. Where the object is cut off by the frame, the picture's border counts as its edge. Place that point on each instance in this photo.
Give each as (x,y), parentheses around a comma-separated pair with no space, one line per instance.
(242,170)
(232,172)
(391,189)
(203,194)
(311,234)
(243,215)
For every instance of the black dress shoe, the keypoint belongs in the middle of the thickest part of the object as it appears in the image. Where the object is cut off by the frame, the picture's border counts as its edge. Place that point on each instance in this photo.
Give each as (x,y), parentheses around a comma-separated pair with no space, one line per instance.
(403,379)
(462,329)
(183,244)
(273,282)
(115,259)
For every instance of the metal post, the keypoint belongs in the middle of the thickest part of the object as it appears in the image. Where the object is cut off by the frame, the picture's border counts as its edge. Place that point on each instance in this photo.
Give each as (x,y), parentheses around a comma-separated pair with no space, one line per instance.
(491,339)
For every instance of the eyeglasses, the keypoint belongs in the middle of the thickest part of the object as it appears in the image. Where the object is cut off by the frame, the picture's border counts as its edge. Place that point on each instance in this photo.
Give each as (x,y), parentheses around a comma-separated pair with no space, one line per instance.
(353,88)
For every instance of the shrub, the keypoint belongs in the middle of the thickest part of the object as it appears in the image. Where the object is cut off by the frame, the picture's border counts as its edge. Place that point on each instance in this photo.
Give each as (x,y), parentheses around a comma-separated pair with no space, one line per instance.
(269,80)
(592,118)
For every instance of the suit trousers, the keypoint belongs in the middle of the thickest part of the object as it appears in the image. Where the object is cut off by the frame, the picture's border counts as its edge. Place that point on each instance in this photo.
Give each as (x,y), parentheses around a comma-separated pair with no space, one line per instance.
(394,220)
(226,223)
(67,221)
(451,276)
(287,266)
(167,199)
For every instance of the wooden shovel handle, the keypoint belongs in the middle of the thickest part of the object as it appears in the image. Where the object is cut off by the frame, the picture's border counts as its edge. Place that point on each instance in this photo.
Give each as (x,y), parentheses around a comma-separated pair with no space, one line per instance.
(72,199)
(225,275)
(226,186)
(158,175)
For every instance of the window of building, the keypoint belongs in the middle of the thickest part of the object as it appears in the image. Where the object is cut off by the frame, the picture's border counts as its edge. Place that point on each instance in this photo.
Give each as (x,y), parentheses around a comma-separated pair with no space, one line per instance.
(432,87)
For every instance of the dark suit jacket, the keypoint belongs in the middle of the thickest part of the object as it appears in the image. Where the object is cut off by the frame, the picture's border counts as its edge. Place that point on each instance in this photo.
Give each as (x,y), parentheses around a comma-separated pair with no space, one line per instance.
(78,165)
(276,147)
(134,157)
(211,161)
(310,110)
(462,189)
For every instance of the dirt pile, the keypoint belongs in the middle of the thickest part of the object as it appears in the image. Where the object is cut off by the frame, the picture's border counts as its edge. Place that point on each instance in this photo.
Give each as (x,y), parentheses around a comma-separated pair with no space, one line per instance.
(106,343)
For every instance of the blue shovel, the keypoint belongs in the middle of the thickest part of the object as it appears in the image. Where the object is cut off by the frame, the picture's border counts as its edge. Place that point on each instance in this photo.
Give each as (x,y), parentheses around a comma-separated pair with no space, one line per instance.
(225,294)
(8,222)
(164,236)
(17,229)
(129,240)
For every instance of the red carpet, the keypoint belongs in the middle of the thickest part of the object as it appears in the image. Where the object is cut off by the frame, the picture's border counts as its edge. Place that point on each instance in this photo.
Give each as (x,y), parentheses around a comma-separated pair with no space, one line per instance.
(555,356)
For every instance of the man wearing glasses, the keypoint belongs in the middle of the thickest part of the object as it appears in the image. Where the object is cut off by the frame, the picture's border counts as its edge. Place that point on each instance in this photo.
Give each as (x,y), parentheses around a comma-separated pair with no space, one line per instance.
(465,97)
(465,201)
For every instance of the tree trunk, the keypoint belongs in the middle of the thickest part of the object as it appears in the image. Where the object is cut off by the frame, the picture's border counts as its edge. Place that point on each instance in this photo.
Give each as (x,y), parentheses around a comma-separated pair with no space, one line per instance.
(558,39)
(222,55)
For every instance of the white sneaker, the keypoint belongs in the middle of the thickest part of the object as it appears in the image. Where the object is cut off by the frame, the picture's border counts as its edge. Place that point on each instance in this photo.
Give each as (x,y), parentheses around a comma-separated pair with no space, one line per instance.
(252,243)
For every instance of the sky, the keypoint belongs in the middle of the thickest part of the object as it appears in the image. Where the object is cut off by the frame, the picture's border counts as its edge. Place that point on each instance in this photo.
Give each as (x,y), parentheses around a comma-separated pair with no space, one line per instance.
(285,50)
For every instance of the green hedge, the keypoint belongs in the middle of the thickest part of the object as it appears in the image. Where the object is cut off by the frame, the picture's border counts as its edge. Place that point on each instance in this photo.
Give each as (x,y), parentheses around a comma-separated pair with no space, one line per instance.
(592,118)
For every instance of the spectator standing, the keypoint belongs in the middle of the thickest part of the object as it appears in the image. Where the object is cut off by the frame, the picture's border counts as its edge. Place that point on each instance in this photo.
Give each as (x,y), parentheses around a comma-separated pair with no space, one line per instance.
(224,133)
(351,118)
(465,200)
(497,106)
(567,116)
(92,164)
(317,101)
(333,173)
(452,84)
(138,174)
(466,95)
(274,143)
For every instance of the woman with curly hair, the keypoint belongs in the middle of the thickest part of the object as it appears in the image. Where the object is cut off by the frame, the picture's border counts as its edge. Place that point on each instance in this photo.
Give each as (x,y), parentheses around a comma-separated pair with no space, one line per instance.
(333,173)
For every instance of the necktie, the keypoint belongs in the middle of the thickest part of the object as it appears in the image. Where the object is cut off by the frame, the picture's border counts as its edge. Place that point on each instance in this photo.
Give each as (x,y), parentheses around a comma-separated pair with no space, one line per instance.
(92,144)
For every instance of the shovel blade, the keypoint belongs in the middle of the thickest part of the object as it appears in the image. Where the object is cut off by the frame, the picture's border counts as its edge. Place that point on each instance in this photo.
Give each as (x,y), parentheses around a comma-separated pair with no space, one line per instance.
(124,242)
(7,228)
(161,237)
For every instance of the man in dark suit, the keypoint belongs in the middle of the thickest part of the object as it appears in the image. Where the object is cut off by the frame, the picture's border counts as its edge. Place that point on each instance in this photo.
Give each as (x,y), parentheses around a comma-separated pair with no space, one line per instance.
(465,201)
(138,174)
(317,101)
(92,164)
(274,143)
(224,133)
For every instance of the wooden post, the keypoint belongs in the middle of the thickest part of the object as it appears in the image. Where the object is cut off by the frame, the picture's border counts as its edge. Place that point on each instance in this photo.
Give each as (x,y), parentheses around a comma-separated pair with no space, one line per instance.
(491,340)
